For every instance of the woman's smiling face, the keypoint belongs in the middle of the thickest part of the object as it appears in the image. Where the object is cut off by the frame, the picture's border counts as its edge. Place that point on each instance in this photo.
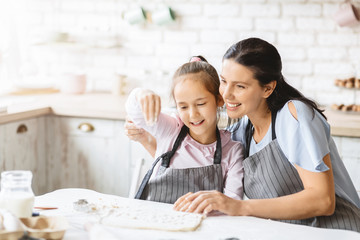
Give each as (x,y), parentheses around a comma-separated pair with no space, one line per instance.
(241,92)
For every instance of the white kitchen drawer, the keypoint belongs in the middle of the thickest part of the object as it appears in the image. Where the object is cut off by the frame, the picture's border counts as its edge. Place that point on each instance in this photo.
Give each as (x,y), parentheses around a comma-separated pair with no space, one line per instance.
(97,160)
(87,127)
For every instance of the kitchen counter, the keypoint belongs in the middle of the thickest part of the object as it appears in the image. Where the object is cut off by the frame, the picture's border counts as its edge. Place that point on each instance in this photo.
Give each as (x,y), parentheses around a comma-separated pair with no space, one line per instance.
(211,228)
(96,105)
(345,124)
(107,106)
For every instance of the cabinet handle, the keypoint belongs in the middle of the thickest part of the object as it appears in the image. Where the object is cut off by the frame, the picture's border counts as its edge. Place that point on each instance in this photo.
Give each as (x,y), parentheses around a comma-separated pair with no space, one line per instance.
(86,127)
(22,128)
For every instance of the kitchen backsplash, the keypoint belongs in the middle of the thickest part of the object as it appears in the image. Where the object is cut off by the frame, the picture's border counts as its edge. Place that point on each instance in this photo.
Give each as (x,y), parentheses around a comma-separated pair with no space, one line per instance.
(53,37)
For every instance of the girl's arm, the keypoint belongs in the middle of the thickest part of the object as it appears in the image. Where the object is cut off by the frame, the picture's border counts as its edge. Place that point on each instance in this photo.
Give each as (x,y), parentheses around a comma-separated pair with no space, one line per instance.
(234,172)
(143,108)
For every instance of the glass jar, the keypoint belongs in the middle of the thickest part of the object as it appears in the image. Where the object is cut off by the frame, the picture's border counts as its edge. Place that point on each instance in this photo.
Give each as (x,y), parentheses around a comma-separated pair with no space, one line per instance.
(16,194)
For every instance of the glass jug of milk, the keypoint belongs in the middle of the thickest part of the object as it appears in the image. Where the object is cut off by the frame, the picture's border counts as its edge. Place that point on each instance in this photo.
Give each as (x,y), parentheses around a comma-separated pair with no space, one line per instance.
(16,194)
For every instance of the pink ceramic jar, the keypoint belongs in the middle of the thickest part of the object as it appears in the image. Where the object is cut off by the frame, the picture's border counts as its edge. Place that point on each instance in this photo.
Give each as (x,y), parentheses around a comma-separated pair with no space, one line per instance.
(73,83)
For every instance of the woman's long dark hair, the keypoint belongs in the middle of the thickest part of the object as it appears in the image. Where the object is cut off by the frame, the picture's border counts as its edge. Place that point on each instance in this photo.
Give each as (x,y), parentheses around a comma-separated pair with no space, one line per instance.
(265,62)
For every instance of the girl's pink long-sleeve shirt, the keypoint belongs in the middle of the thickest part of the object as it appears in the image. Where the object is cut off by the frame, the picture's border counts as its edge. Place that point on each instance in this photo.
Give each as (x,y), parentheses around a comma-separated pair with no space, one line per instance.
(192,154)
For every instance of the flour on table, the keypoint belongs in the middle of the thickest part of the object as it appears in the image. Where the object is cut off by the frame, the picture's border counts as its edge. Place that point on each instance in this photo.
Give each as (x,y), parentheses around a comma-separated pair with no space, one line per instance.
(140,216)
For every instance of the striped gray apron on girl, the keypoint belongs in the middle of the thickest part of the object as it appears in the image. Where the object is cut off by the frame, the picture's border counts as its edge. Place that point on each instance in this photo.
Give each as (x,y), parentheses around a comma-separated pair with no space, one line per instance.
(269,174)
(169,184)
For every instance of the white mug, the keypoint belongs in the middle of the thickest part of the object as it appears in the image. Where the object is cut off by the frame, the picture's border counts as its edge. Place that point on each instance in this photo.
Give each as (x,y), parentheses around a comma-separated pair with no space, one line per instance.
(347,15)
(163,16)
(135,16)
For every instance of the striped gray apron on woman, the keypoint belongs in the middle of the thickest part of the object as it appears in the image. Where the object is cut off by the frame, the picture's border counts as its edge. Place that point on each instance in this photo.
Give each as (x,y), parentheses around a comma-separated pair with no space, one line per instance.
(269,174)
(169,184)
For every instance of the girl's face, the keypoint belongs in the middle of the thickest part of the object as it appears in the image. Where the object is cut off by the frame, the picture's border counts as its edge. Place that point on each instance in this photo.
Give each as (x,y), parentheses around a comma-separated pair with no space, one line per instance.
(197,108)
(241,92)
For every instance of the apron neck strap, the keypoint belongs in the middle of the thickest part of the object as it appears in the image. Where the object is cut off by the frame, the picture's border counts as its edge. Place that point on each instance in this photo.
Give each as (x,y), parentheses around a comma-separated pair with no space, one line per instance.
(218,151)
(183,132)
(167,156)
(273,119)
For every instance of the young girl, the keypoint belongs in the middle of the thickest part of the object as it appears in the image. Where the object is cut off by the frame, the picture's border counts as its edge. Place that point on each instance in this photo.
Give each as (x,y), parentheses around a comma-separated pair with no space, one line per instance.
(192,153)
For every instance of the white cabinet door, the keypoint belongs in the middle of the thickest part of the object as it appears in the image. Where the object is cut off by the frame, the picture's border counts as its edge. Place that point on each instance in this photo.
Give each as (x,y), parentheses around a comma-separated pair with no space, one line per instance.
(22,148)
(88,153)
(137,151)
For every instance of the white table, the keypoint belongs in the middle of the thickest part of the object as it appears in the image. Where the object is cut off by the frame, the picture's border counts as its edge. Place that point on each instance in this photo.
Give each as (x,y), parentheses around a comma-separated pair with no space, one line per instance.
(212,228)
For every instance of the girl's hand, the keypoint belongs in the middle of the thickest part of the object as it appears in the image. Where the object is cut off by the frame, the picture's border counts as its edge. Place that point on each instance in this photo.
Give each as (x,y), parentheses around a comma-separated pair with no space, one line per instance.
(133,132)
(150,105)
(207,201)
(140,135)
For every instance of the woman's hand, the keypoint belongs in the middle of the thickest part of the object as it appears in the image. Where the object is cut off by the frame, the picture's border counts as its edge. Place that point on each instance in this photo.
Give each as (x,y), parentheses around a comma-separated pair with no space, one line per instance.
(207,201)
(150,105)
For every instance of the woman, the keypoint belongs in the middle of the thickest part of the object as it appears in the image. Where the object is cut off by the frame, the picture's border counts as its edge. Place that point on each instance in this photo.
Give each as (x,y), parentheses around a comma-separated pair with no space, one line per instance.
(293,172)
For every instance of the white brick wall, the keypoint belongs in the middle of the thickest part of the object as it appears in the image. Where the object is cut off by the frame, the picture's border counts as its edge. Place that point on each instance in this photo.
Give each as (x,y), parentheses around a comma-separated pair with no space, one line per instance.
(297,67)
(234,23)
(171,49)
(189,37)
(296,39)
(326,53)
(332,69)
(221,10)
(187,9)
(315,50)
(261,10)
(289,54)
(312,23)
(337,39)
(302,10)
(275,24)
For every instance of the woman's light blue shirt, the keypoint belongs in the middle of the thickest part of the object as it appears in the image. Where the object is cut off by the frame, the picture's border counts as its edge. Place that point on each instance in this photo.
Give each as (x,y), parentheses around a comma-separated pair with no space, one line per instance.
(305,142)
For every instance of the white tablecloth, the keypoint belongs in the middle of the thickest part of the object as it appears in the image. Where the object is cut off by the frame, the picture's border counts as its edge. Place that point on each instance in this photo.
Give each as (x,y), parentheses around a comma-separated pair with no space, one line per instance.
(212,228)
